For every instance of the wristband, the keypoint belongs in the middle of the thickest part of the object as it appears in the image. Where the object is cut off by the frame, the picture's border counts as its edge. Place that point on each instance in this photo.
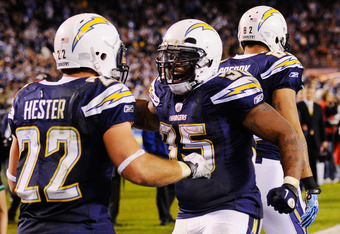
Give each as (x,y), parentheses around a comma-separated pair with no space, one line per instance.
(309,183)
(186,171)
(292,181)
(128,160)
(11,177)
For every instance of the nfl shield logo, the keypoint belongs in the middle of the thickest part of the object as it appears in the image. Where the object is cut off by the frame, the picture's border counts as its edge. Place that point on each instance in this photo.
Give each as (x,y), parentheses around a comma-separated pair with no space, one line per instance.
(178,107)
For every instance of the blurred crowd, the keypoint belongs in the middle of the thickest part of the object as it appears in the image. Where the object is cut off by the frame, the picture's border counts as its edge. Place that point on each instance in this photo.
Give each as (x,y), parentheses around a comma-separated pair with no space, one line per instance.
(28,26)
(322,130)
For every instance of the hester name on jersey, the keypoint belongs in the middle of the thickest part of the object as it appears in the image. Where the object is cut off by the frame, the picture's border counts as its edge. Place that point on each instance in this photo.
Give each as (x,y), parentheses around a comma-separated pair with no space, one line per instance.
(44,109)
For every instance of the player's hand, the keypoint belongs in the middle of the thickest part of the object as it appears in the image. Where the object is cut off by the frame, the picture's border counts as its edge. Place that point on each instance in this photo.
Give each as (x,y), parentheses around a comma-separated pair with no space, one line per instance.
(198,165)
(312,207)
(283,198)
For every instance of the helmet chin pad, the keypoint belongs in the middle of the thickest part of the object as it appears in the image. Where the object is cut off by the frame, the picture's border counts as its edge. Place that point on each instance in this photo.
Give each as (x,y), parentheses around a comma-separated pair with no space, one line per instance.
(182,88)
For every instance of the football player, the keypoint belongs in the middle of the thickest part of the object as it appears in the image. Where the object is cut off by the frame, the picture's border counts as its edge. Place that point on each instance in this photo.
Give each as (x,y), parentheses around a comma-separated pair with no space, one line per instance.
(199,111)
(262,34)
(66,134)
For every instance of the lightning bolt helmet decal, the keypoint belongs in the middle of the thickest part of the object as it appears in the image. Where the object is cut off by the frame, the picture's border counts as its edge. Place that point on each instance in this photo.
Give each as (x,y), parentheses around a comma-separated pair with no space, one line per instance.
(86,27)
(266,16)
(204,26)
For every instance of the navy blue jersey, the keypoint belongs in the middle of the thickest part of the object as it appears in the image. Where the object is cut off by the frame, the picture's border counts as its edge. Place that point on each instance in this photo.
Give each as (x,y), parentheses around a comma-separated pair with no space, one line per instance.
(274,70)
(64,171)
(209,121)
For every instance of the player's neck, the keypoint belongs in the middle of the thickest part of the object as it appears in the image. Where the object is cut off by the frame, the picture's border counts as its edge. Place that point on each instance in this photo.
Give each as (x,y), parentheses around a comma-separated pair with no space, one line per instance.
(255,49)
(82,74)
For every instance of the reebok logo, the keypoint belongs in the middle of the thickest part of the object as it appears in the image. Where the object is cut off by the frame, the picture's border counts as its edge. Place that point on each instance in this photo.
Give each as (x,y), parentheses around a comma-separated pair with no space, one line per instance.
(128,108)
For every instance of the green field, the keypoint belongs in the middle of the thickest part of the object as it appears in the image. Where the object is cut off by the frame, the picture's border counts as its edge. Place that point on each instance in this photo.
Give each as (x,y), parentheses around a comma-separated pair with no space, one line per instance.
(138,211)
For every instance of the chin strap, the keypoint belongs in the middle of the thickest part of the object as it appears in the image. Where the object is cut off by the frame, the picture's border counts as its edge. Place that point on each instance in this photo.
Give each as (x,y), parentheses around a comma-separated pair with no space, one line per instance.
(286,46)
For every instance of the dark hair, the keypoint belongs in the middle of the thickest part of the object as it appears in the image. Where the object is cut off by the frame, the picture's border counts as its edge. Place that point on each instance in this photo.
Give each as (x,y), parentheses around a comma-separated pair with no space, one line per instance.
(252,43)
(44,76)
(324,94)
(71,71)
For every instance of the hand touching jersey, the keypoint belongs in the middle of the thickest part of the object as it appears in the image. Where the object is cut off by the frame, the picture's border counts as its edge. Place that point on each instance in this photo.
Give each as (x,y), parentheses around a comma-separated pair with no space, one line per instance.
(198,165)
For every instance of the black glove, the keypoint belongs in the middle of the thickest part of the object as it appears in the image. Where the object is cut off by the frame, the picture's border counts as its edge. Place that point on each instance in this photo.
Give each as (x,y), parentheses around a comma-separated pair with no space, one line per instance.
(283,198)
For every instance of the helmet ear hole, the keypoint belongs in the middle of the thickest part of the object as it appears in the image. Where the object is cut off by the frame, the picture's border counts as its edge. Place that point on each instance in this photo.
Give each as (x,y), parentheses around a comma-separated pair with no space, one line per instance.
(103,56)
(190,40)
(210,63)
(276,40)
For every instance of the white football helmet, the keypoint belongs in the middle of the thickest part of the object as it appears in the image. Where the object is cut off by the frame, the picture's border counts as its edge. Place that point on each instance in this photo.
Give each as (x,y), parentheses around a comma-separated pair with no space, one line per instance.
(89,40)
(190,54)
(264,24)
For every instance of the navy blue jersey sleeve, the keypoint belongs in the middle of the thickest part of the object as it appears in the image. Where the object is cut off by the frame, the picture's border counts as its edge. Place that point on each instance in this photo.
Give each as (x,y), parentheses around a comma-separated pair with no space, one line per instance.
(284,72)
(289,78)
(115,104)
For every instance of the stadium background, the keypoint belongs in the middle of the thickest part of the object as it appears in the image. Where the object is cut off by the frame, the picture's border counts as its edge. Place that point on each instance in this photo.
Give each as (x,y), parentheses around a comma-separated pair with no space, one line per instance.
(27,31)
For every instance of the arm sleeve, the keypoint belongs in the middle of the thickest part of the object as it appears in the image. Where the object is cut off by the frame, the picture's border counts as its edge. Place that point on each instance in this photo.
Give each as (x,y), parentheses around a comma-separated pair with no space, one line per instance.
(289,78)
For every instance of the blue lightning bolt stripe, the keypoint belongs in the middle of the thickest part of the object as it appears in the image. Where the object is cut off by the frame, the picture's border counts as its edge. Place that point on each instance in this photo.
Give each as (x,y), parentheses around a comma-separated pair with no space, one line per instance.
(88,26)
(113,97)
(203,26)
(265,16)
